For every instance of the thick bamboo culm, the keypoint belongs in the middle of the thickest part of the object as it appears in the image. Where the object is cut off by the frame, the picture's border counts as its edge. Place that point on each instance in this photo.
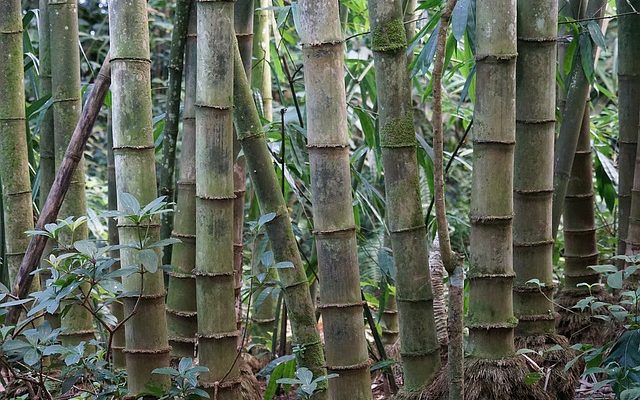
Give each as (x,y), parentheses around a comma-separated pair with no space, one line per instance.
(491,320)
(533,173)
(14,164)
(145,349)
(628,106)
(566,143)
(243,24)
(182,320)
(335,231)
(77,323)
(419,346)
(117,308)
(580,244)
(172,121)
(300,307)
(217,330)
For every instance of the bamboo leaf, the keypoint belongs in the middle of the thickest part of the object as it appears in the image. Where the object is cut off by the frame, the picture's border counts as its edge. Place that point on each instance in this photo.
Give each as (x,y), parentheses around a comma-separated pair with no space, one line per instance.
(459,18)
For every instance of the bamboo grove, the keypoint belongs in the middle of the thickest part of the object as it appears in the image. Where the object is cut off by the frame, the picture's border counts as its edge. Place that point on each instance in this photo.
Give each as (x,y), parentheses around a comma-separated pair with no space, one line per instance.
(328,200)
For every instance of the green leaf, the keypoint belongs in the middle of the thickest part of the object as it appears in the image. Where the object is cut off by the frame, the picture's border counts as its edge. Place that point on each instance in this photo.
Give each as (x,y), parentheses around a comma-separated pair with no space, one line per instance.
(630,394)
(185,364)
(266,218)
(31,357)
(614,281)
(459,18)
(586,57)
(305,375)
(129,203)
(596,34)
(532,378)
(149,260)
(166,371)
(283,265)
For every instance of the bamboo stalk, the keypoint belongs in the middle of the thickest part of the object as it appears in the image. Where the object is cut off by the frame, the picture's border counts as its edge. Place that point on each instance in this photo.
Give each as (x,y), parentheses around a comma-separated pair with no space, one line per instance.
(341,303)
(533,176)
(60,185)
(580,245)
(418,340)
(491,319)
(117,309)
(578,91)
(77,323)
(217,331)
(14,164)
(182,319)
(280,232)
(261,76)
(243,25)
(47,157)
(146,349)
(628,106)
(172,119)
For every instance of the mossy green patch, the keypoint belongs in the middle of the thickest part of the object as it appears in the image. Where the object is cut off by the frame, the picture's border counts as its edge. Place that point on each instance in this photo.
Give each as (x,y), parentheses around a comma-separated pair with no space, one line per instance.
(398,132)
(389,35)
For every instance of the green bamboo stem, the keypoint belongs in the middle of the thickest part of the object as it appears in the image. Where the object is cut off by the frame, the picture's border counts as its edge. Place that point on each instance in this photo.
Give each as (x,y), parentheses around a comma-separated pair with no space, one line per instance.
(77,323)
(14,164)
(47,165)
(263,317)
(580,245)
(47,143)
(217,331)
(632,245)
(533,175)
(341,302)
(565,148)
(182,319)
(390,320)
(418,340)
(117,309)
(491,319)
(172,119)
(243,25)
(146,349)
(261,76)
(628,106)
(283,243)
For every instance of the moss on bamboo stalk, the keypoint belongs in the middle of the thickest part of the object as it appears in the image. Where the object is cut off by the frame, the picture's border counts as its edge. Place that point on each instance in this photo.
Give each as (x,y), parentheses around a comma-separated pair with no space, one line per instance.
(418,340)
(77,323)
(146,349)
(14,164)
(296,289)
(335,231)
(217,330)
(181,300)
